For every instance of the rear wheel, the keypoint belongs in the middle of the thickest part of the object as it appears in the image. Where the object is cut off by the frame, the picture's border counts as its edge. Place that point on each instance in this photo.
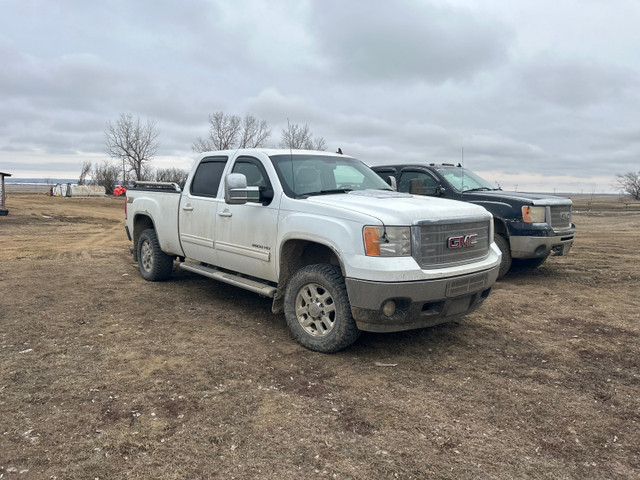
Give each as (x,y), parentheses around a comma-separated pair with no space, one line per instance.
(505,263)
(317,310)
(153,263)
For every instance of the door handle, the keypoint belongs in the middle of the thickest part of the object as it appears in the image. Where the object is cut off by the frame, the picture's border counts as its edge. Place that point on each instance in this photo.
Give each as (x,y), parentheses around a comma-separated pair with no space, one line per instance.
(188,207)
(225,213)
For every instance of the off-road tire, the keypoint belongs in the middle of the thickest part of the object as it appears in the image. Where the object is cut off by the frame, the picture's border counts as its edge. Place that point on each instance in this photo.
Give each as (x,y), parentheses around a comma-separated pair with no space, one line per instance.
(153,263)
(505,249)
(317,310)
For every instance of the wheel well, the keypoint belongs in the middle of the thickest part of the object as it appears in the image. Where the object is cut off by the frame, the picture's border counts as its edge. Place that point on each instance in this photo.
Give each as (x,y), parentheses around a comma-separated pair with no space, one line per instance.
(500,228)
(296,254)
(140,224)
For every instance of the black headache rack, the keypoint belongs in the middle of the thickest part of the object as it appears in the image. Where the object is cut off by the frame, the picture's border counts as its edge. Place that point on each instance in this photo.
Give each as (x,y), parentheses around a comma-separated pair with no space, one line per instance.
(167,187)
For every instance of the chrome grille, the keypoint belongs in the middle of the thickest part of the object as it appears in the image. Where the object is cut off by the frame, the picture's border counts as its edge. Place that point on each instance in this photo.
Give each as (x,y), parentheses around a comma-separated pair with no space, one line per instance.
(561,216)
(436,244)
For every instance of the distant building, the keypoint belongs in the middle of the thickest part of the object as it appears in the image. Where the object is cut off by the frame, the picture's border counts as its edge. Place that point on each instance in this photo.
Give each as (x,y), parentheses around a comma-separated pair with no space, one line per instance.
(69,190)
(3,195)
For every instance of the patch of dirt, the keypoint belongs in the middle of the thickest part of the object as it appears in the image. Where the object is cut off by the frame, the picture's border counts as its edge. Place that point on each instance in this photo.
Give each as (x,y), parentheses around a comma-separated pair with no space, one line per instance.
(104,375)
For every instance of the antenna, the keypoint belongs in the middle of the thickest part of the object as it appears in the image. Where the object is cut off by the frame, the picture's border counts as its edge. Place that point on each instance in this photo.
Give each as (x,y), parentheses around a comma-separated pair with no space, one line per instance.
(462,163)
(293,178)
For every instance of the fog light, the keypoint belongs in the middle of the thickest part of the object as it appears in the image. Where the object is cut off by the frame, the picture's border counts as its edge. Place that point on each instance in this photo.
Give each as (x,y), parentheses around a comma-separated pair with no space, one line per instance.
(389,308)
(540,251)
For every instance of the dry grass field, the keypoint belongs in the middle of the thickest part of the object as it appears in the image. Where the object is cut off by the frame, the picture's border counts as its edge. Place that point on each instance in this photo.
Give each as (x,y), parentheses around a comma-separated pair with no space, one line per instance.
(104,375)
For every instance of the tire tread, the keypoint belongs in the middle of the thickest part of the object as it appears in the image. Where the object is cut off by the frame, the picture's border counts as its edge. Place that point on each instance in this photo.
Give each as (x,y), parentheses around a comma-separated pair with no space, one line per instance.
(162,263)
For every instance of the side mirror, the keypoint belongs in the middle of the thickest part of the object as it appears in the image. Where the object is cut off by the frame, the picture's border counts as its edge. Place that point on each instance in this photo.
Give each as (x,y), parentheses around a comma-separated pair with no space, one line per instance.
(391,181)
(440,190)
(236,191)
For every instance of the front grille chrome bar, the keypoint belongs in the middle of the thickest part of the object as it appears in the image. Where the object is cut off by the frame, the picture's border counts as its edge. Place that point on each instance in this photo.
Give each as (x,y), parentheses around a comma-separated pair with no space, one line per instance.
(449,243)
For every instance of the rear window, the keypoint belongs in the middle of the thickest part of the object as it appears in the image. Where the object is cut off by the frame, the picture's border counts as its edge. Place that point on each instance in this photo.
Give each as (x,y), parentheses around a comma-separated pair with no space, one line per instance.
(206,180)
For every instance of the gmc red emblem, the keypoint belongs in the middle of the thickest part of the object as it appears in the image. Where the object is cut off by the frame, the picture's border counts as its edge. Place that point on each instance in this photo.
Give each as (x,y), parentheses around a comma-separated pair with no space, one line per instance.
(462,241)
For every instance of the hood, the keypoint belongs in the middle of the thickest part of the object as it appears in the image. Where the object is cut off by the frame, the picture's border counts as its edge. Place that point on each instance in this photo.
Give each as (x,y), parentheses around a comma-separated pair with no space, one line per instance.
(394,208)
(521,198)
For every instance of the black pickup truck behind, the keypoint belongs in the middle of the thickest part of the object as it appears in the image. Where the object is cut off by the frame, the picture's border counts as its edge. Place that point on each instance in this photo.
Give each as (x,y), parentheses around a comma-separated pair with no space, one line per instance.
(528,227)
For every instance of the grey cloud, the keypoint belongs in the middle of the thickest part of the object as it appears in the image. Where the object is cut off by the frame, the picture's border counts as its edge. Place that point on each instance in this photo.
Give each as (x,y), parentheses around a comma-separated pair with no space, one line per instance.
(406,41)
(53,168)
(571,83)
(409,80)
(278,109)
(66,82)
(49,141)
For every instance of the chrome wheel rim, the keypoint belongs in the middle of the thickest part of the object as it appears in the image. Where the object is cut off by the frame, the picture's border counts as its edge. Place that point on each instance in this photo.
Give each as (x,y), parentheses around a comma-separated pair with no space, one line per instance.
(146,255)
(315,310)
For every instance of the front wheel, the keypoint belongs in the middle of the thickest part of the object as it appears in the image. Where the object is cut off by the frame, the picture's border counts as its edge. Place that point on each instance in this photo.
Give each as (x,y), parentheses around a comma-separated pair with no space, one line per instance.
(505,263)
(153,263)
(317,310)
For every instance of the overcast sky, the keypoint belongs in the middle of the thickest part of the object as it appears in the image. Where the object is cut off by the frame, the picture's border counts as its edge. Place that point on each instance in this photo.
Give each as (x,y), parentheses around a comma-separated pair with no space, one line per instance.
(540,94)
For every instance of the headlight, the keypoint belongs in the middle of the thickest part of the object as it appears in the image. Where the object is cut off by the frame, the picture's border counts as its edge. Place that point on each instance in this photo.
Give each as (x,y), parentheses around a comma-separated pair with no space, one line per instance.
(387,241)
(534,214)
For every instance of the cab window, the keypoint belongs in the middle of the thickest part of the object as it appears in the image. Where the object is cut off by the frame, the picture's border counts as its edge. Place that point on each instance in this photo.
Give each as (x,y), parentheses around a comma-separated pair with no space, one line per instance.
(207,178)
(418,183)
(256,176)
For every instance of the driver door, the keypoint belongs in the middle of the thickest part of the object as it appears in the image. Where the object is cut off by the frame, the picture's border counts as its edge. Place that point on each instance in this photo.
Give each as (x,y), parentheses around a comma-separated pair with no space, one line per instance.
(246,234)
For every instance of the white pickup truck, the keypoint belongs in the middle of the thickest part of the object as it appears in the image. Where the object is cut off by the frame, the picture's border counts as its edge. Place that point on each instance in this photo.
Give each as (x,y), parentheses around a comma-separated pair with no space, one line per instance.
(337,249)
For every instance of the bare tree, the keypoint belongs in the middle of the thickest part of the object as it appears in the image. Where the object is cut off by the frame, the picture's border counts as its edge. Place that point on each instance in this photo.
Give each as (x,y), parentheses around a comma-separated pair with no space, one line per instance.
(317,143)
(106,175)
(133,143)
(629,184)
(84,171)
(254,133)
(147,173)
(230,131)
(172,174)
(299,137)
(223,133)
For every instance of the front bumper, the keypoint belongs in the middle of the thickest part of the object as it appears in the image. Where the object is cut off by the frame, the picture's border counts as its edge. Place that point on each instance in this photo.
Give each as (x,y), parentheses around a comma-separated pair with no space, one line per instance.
(418,304)
(537,245)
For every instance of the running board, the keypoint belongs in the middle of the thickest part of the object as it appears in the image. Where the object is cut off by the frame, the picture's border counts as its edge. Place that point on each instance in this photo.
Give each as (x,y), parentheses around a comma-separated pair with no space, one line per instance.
(236,280)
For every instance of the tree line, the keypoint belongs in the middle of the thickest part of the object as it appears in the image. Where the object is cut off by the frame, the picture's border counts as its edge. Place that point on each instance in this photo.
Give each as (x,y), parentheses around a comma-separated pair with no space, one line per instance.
(132,145)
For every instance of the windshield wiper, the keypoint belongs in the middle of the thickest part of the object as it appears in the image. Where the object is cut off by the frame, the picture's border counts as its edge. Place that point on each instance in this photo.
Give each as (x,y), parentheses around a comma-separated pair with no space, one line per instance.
(329,192)
(478,189)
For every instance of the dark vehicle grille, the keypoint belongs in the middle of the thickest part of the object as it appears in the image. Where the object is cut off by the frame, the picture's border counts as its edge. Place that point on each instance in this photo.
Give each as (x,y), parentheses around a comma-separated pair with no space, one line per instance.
(437,245)
(560,216)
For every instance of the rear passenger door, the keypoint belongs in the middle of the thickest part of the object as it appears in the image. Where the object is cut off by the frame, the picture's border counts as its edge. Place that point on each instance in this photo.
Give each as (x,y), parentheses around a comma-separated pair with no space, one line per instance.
(197,214)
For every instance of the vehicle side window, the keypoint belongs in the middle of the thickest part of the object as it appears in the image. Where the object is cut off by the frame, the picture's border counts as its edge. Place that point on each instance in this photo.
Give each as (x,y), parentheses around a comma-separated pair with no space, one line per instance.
(207,178)
(256,176)
(418,183)
(385,174)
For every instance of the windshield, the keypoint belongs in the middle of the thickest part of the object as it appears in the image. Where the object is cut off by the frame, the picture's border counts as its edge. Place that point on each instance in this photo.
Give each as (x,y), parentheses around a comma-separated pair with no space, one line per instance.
(464,180)
(310,174)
